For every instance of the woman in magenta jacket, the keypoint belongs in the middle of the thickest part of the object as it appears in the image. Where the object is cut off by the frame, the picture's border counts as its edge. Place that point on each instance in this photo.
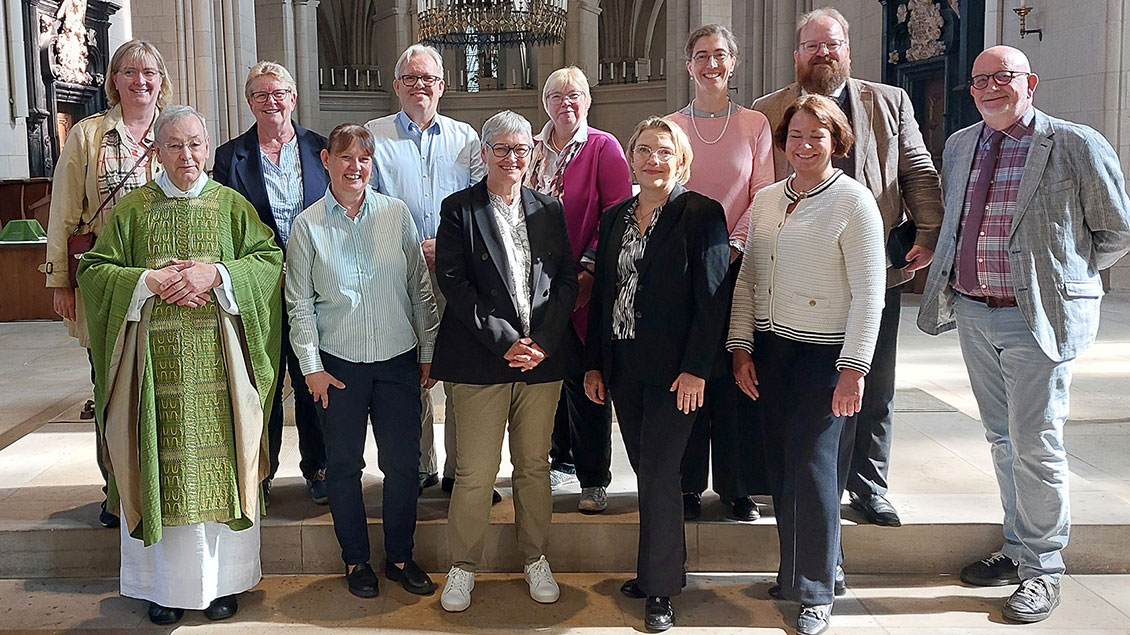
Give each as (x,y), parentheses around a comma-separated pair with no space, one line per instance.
(586,169)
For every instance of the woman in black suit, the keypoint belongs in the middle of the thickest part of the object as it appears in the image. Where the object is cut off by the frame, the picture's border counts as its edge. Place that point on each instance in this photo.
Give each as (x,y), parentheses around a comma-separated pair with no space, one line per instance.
(659,303)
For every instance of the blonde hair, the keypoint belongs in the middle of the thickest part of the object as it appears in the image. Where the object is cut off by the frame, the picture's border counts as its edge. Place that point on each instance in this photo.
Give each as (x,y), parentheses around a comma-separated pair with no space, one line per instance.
(568,76)
(269,69)
(683,153)
(133,51)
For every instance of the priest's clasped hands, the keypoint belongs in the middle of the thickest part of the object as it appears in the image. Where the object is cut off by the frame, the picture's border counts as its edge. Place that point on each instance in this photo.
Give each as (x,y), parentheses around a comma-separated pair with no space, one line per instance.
(184,282)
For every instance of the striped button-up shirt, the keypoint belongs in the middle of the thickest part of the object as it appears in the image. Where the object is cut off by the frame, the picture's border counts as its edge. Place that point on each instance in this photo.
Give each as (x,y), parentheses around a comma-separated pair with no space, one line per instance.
(632,248)
(358,288)
(994,275)
(284,186)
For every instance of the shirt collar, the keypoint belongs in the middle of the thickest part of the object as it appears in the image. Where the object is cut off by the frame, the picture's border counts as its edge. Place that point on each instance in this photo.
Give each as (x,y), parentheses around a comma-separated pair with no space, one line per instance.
(835,94)
(333,206)
(1017,131)
(172,191)
(581,136)
(407,125)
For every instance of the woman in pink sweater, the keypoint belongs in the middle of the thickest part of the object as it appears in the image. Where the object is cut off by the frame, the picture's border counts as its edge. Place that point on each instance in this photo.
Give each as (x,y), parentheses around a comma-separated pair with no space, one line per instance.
(586,169)
(733,159)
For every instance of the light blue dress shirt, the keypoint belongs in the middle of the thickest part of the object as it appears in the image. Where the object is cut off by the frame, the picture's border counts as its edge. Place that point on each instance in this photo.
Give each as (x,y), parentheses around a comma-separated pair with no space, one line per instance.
(423,167)
(358,288)
(284,186)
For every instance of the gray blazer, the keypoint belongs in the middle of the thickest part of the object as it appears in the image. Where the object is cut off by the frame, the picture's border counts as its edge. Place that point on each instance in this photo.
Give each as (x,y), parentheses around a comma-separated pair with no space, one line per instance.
(1072,219)
(891,159)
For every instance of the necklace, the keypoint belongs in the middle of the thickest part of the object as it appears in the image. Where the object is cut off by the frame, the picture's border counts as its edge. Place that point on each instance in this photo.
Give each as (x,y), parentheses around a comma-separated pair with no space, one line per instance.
(729,111)
(549,142)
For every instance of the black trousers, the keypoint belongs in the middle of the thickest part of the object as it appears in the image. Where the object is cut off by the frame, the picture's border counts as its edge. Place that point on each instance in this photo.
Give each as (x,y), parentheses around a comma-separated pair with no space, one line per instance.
(311,442)
(871,451)
(582,433)
(655,434)
(726,440)
(808,448)
(387,395)
(99,442)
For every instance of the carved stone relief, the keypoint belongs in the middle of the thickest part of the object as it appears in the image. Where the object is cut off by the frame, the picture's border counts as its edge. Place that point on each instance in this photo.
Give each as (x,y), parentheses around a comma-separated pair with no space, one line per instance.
(925,24)
(70,43)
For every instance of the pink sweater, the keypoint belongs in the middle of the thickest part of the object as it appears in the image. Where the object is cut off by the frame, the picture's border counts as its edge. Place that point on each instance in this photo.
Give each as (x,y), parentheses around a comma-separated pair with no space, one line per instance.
(734,169)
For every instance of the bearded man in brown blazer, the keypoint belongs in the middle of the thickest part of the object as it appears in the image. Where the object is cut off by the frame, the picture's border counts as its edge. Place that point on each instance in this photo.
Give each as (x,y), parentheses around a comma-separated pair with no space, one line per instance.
(891,160)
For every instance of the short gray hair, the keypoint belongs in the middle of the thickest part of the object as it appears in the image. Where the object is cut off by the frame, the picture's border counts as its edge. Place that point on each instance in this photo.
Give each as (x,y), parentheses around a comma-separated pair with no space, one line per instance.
(419,49)
(173,114)
(825,12)
(506,122)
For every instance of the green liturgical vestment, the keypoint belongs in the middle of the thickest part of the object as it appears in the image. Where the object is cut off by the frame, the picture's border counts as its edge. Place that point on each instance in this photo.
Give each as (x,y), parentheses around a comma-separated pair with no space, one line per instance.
(184,393)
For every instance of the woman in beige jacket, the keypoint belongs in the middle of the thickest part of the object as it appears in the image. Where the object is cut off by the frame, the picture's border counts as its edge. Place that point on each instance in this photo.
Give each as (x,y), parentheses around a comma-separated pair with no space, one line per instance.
(105,157)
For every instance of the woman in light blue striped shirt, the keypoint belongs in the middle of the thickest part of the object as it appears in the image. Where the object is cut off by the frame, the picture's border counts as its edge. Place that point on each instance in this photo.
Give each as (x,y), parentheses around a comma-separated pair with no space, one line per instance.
(363,323)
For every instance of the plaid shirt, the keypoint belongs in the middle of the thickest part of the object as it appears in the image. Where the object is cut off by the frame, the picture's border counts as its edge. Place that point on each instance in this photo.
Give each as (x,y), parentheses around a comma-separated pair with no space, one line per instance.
(993,272)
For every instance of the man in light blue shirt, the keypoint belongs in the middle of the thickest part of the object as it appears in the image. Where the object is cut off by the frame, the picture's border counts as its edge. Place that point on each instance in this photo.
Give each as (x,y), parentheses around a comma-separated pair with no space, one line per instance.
(421,157)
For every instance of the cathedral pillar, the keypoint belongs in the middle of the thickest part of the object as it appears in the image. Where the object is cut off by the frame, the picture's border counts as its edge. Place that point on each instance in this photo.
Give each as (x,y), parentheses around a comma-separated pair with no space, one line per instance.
(684,16)
(305,69)
(582,32)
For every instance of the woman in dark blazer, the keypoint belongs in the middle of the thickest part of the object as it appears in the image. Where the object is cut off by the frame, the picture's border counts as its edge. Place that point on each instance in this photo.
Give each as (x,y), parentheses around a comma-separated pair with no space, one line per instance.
(659,304)
(262,164)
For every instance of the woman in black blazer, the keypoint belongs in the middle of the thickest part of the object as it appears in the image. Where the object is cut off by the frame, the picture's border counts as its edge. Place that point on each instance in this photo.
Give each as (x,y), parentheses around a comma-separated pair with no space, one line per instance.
(659,303)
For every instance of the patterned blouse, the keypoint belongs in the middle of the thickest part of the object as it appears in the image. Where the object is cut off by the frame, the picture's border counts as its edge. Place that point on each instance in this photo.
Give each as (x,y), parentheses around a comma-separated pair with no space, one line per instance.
(632,248)
(511,223)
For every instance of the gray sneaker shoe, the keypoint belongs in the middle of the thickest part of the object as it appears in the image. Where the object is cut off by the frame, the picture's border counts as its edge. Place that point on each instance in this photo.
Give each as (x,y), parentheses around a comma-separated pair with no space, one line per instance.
(1034,601)
(813,619)
(593,500)
(560,480)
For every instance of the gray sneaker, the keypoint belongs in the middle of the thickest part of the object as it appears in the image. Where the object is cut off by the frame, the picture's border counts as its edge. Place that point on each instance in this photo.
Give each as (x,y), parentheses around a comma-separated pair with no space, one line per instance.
(560,480)
(593,500)
(1034,601)
(813,619)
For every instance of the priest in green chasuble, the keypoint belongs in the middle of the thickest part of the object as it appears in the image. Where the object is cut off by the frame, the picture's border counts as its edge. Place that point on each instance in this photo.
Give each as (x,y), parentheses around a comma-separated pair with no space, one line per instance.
(182,296)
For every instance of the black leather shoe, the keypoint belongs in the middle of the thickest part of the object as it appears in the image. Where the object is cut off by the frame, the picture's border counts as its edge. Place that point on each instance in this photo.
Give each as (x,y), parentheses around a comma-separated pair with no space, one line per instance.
(411,577)
(163,615)
(743,508)
(877,510)
(107,519)
(692,506)
(631,588)
(266,492)
(222,608)
(658,615)
(996,570)
(448,485)
(839,586)
(362,581)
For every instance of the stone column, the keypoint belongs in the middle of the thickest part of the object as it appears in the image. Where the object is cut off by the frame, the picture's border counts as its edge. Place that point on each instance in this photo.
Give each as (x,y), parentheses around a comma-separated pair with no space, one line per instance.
(274,32)
(395,24)
(305,69)
(684,16)
(582,29)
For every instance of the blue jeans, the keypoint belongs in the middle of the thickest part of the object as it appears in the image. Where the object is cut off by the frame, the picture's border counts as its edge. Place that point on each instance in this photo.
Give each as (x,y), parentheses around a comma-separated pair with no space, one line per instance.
(1022,396)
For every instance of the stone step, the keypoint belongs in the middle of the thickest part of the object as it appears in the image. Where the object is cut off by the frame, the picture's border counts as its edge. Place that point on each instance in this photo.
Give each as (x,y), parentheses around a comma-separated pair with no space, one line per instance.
(298,538)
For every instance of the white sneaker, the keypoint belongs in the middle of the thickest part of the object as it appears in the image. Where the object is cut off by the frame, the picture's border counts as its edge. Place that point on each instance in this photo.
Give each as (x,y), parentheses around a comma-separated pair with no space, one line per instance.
(543,588)
(456,594)
(560,480)
(593,500)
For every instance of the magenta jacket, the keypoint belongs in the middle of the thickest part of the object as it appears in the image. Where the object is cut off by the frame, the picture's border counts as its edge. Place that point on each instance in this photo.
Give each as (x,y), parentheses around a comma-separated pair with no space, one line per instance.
(596,179)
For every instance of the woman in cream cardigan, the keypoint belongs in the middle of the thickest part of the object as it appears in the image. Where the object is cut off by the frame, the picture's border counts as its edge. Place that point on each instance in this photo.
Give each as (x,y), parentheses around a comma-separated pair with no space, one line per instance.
(803,325)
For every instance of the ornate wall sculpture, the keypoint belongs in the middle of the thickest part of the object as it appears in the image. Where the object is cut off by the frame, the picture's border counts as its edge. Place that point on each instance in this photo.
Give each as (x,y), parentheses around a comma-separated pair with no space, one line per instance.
(925,25)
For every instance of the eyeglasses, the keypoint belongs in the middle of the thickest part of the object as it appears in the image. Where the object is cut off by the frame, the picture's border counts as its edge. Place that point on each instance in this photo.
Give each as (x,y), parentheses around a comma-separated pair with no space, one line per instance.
(814,47)
(574,96)
(501,150)
(261,97)
(193,145)
(148,73)
(1000,78)
(663,155)
(717,56)
(425,80)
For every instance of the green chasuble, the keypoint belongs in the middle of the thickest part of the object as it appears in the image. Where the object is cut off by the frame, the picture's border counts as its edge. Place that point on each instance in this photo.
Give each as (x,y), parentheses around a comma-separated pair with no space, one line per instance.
(184,394)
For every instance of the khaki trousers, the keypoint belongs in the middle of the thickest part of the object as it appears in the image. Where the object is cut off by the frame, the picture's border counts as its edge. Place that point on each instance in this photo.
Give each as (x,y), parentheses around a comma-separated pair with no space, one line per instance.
(429,464)
(483,413)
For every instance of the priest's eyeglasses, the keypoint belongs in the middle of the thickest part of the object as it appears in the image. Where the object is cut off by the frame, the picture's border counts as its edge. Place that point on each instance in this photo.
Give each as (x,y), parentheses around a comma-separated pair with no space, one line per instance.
(425,80)
(1000,78)
(501,150)
(176,148)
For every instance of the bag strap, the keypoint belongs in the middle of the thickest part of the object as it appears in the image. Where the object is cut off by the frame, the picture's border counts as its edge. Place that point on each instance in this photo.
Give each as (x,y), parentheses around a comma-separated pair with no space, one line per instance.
(109,197)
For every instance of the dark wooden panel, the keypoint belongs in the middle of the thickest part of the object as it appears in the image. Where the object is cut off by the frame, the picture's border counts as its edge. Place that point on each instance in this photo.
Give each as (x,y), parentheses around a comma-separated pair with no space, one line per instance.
(23,295)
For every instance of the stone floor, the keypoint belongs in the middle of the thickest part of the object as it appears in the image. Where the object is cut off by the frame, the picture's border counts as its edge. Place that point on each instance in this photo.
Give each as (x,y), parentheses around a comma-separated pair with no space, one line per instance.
(942,484)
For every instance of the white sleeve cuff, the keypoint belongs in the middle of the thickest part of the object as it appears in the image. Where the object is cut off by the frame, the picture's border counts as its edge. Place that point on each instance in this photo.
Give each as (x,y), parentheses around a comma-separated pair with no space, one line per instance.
(141,293)
(225,295)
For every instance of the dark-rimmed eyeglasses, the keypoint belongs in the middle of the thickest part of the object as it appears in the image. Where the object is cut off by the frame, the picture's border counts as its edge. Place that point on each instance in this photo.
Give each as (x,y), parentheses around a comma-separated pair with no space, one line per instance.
(1000,78)
(814,47)
(501,150)
(261,97)
(425,80)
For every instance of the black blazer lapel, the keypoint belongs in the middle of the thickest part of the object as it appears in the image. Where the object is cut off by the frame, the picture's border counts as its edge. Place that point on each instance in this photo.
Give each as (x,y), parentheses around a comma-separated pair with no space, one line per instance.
(668,218)
(250,175)
(484,221)
(313,172)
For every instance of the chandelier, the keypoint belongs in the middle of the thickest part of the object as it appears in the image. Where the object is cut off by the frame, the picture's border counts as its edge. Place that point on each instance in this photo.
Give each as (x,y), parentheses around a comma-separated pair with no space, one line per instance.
(491,23)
